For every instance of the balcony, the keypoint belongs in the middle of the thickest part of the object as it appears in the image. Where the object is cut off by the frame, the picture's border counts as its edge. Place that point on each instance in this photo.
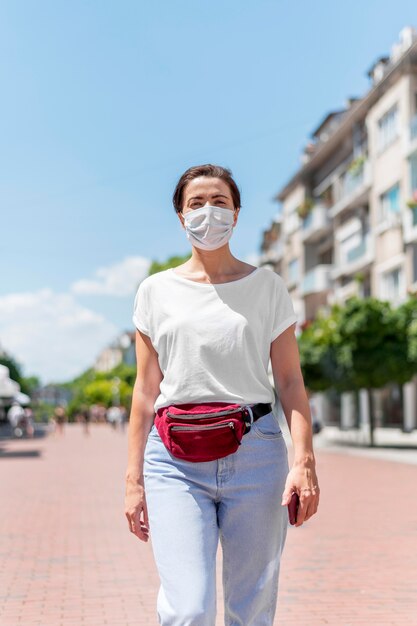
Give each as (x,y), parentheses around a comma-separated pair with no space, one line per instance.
(351,189)
(341,294)
(315,224)
(354,259)
(274,252)
(316,280)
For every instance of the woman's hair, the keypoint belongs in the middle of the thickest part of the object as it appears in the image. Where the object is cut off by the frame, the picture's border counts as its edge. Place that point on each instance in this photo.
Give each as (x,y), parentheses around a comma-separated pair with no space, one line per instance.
(211,171)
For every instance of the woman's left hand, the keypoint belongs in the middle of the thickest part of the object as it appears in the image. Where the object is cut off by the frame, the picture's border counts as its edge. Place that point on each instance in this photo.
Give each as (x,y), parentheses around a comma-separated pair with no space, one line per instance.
(302,478)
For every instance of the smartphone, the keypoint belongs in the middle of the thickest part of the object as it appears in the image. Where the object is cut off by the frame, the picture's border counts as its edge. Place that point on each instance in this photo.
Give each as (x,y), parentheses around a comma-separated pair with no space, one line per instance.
(293,507)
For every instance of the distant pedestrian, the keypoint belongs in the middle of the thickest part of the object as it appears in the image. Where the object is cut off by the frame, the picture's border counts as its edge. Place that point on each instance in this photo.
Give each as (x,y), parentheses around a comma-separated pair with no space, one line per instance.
(59,418)
(30,428)
(86,418)
(114,416)
(123,417)
(16,417)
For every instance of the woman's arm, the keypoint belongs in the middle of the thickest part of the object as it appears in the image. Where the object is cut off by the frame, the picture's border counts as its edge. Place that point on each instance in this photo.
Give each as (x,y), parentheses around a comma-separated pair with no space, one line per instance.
(145,392)
(289,383)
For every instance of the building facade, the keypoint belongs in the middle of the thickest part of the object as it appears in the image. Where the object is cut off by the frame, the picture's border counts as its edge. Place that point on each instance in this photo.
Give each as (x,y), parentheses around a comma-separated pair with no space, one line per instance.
(347,223)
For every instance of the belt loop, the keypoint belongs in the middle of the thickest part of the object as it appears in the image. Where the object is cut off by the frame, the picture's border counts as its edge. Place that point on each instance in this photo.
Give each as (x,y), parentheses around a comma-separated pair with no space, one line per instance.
(250,413)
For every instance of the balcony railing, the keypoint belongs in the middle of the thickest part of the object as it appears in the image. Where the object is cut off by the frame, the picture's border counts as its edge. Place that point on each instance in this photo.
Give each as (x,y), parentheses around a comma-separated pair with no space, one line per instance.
(356,253)
(349,182)
(355,256)
(315,223)
(316,280)
(350,187)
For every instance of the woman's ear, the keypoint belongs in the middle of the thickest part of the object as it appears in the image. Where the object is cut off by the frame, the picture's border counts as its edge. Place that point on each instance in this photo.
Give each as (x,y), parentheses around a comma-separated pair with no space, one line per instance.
(236,213)
(181,218)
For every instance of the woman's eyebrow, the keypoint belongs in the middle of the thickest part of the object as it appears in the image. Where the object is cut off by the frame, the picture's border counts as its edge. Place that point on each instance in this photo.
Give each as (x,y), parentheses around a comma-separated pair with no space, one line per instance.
(215,195)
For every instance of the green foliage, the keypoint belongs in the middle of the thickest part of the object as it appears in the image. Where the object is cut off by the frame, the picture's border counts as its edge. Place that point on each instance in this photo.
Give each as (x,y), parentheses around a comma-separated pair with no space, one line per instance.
(173,261)
(407,319)
(317,348)
(93,387)
(27,384)
(14,368)
(305,207)
(373,344)
(125,372)
(356,165)
(364,344)
(42,411)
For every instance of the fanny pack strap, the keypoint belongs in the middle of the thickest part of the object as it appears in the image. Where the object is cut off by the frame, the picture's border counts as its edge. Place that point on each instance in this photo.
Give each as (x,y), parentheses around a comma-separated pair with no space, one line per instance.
(256,411)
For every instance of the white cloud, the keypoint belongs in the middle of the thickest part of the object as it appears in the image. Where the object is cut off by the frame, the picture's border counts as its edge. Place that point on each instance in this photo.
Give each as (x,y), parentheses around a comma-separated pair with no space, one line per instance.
(120,279)
(51,334)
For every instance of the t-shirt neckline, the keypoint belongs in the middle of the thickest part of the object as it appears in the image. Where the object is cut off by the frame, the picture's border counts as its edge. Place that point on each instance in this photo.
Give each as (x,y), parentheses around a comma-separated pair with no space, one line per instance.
(230,282)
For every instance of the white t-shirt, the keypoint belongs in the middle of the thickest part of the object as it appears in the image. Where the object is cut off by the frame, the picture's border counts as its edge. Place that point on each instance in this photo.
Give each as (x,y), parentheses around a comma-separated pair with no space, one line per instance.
(213,340)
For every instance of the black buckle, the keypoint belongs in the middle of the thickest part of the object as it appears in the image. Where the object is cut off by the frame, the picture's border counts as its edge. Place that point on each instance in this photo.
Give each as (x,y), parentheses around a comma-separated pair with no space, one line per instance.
(246,419)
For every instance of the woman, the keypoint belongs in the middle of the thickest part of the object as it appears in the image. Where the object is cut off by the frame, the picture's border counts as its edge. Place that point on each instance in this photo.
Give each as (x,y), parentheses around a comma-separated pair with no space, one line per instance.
(205,333)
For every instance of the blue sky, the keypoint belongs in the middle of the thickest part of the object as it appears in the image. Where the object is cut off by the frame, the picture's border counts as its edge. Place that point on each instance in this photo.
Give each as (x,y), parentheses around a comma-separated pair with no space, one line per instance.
(105,104)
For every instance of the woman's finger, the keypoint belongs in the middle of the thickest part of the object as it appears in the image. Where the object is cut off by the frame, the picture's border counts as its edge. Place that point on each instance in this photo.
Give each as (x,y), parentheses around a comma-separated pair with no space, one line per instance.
(309,511)
(312,506)
(137,527)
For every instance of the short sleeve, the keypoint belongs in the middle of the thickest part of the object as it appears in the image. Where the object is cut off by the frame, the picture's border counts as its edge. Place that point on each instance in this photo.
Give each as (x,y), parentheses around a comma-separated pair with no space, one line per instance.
(283,312)
(141,310)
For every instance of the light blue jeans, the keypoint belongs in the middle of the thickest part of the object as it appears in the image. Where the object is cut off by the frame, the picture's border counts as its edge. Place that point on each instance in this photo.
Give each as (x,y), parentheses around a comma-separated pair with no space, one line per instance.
(237,499)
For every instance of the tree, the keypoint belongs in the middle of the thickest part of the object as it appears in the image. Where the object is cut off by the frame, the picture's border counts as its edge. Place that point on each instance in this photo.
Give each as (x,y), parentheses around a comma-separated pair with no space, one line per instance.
(363,345)
(27,384)
(173,261)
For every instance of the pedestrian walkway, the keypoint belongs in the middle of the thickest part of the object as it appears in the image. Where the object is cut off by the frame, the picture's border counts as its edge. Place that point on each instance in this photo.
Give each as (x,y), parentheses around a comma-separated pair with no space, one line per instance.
(69,559)
(391,444)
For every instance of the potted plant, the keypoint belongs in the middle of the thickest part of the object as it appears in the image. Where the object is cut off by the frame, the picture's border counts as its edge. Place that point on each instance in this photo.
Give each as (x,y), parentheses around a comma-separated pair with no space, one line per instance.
(356,165)
(412,202)
(305,207)
(327,197)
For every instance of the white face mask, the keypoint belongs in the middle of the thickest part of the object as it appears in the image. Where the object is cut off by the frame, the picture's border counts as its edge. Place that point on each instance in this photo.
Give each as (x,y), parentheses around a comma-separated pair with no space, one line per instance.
(209,227)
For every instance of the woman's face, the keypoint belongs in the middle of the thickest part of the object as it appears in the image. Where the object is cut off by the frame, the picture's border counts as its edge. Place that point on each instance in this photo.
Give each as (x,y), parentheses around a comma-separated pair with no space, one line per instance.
(207,191)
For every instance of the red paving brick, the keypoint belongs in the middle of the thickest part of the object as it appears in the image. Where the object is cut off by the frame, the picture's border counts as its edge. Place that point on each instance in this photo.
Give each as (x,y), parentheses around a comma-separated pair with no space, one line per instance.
(68,558)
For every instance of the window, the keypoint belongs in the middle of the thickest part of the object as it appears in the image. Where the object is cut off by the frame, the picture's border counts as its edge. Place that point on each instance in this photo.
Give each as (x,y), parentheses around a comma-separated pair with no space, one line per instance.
(390,202)
(388,128)
(392,284)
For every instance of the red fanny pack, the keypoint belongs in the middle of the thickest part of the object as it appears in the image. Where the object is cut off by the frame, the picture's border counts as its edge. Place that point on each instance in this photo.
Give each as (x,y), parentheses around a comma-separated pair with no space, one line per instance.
(202,432)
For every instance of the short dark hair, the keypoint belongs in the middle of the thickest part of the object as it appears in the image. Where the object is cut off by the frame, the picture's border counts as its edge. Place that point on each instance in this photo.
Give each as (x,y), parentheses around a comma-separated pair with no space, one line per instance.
(211,171)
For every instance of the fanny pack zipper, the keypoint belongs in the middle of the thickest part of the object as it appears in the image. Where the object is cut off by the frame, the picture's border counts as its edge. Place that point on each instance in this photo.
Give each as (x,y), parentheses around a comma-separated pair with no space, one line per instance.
(199,415)
(230,424)
(207,427)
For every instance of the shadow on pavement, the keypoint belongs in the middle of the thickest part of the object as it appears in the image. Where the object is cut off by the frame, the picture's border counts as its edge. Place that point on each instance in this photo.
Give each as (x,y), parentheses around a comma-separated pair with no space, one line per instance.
(378,446)
(15,454)
(6,434)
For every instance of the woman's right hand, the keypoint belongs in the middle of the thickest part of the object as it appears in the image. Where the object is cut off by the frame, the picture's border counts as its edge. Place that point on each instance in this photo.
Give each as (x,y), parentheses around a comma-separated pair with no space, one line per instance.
(136,510)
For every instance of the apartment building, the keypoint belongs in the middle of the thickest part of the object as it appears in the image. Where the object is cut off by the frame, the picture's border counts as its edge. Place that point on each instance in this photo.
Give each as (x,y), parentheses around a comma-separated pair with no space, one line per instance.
(347,220)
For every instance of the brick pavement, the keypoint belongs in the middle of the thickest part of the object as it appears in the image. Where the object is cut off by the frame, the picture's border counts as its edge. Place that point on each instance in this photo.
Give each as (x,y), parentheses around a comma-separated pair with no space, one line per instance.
(68,558)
